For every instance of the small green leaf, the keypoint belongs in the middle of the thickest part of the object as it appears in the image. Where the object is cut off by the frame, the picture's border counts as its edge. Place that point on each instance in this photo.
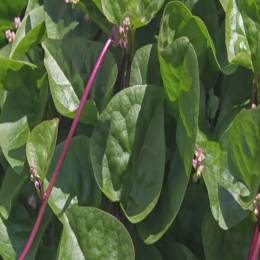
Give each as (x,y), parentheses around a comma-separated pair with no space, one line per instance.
(19,115)
(140,13)
(10,189)
(160,219)
(16,231)
(145,67)
(91,234)
(30,33)
(63,22)
(212,106)
(75,184)
(179,70)
(224,190)
(242,33)
(128,149)
(244,151)
(69,65)
(41,144)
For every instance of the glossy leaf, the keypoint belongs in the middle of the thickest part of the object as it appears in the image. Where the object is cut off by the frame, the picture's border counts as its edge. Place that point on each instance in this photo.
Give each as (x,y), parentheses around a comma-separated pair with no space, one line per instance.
(145,67)
(160,219)
(244,151)
(179,70)
(230,244)
(242,33)
(128,149)
(41,144)
(19,115)
(69,65)
(30,33)
(92,234)
(224,4)
(10,189)
(224,190)
(140,13)
(63,22)
(75,185)
(212,106)
(16,231)
(177,22)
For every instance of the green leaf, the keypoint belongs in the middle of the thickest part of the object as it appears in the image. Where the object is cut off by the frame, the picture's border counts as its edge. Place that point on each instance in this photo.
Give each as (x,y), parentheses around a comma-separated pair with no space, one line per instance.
(46,252)
(142,251)
(244,151)
(230,244)
(177,250)
(63,22)
(212,106)
(179,70)
(140,13)
(224,4)
(41,144)
(92,234)
(33,4)
(242,33)
(3,96)
(69,65)
(177,22)
(16,231)
(224,190)
(10,189)
(145,68)
(31,32)
(75,184)
(160,219)
(19,115)
(128,149)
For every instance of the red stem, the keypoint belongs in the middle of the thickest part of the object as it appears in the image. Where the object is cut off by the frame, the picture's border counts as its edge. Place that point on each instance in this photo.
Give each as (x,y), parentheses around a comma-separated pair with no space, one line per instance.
(253,241)
(59,164)
(255,252)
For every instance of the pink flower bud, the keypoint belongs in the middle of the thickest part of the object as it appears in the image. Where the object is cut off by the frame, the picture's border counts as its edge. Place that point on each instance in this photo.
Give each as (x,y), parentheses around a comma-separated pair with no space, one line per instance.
(37,185)
(256,212)
(122,44)
(201,168)
(254,203)
(194,163)
(199,159)
(31,177)
(194,178)
(202,157)
(67,1)
(17,22)
(121,30)
(199,151)
(198,174)
(126,44)
(86,18)
(253,106)
(258,196)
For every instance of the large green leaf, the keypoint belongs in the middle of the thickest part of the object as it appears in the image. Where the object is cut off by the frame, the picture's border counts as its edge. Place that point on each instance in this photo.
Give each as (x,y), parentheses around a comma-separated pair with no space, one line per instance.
(75,185)
(91,234)
(63,22)
(16,231)
(69,65)
(244,151)
(230,244)
(19,115)
(31,32)
(179,70)
(46,252)
(176,251)
(41,144)
(242,33)
(224,190)
(11,187)
(145,67)
(177,22)
(32,4)
(140,13)
(128,149)
(160,219)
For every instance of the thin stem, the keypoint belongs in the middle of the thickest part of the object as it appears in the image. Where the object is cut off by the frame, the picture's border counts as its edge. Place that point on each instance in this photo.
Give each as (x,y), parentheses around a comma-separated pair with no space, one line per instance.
(255,252)
(129,64)
(62,157)
(254,92)
(256,230)
(120,74)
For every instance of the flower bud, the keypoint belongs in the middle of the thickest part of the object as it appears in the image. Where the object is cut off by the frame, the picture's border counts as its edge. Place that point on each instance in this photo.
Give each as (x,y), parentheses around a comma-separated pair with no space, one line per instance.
(31,177)
(254,203)
(258,197)
(202,157)
(17,22)
(194,163)
(199,151)
(37,185)
(86,18)
(256,212)
(199,159)
(67,1)
(196,154)
(198,174)
(201,168)
(126,44)
(121,30)
(253,106)
(194,178)
(35,173)
(122,44)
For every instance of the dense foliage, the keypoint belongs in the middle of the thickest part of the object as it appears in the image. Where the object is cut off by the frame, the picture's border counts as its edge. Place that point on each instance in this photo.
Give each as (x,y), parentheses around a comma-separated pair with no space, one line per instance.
(161,161)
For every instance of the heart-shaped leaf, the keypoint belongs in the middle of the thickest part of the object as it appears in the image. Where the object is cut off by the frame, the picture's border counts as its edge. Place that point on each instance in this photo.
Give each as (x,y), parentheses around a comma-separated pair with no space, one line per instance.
(69,65)
(160,219)
(244,151)
(242,33)
(16,231)
(19,115)
(224,190)
(179,70)
(91,234)
(75,184)
(30,33)
(63,22)
(128,149)
(140,13)
(145,67)
(41,144)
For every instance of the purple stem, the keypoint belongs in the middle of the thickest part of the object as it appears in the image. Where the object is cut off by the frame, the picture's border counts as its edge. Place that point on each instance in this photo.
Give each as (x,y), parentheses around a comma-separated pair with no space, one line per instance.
(60,162)
(253,241)
(255,252)
(128,74)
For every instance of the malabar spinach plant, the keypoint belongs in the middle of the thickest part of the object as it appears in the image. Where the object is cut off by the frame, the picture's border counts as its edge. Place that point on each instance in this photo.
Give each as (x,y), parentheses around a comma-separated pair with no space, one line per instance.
(129,129)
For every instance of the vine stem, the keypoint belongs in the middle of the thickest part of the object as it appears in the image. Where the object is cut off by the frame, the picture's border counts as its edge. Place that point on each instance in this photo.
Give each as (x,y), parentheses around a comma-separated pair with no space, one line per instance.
(62,157)
(254,239)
